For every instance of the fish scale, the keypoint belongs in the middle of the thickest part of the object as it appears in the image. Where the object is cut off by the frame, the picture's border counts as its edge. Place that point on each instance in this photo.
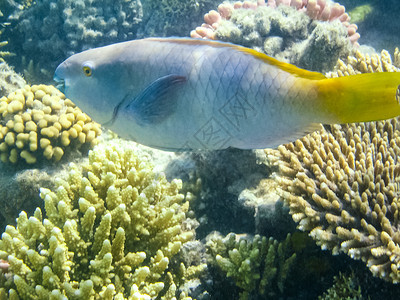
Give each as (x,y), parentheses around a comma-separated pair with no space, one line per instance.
(183,94)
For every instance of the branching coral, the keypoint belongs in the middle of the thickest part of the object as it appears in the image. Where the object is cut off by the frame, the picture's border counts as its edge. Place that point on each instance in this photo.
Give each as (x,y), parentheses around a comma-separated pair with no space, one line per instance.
(38,121)
(110,232)
(284,32)
(344,287)
(342,185)
(366,63)
(254,263)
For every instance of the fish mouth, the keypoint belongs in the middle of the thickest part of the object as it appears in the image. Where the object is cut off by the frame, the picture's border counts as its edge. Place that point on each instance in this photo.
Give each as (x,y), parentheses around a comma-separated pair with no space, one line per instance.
(60,83)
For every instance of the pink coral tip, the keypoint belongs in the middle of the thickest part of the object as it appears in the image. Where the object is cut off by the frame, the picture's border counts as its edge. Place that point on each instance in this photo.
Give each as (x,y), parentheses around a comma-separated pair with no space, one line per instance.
(322,4)
(344,18)
(298,4)
(325,14)
(212,17)
(283,2)
(237,5)
(271,3)
(336,11)
(352,29)
(205,32)
(354,38)
(195,35)
(312,9)
(225,10)
(261,2)
(4,265)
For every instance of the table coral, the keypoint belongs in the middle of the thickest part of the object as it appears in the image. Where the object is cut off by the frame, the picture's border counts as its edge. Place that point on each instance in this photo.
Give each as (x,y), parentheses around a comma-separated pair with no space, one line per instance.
(110,231)
(38,122)
(308,40)
(252,262)
(342,185)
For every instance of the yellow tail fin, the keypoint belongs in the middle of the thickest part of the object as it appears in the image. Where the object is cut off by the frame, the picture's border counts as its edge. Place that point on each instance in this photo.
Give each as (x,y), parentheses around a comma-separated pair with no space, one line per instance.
(359,98)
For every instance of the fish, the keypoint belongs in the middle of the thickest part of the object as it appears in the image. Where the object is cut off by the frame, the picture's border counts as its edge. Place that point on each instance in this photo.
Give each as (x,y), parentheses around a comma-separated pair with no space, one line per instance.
(180,94)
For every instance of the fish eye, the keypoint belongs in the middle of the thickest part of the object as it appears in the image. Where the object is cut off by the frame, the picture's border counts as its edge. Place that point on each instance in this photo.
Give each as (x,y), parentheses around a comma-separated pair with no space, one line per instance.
(87,69)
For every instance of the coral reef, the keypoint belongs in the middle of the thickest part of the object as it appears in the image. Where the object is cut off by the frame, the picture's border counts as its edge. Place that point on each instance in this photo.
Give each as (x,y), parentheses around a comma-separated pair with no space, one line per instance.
(341,185)
(9,80)
(4,54)
(39,122)
(254,263)
(172,17)
(317,10)
(210,182)
(344,287)
(52,30)
(366,63)
(110,231)
(284,32)
(377,22)
(20,191)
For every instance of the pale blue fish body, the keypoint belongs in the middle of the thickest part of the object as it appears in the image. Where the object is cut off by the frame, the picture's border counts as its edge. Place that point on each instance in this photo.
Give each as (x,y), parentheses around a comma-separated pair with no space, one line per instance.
(182,94)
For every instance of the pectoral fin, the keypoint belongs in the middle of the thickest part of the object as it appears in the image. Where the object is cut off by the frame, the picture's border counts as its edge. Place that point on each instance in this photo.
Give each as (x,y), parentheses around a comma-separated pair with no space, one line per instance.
(157,101)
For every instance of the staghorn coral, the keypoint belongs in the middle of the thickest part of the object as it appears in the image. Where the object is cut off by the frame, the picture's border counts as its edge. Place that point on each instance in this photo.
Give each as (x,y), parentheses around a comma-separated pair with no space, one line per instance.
(342,185)
(254,263)
(282,32)
(39,122)
(366,63)
(110,232)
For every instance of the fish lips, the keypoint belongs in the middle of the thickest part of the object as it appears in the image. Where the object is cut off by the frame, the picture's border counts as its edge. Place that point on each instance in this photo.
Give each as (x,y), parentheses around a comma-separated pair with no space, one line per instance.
(59,78)
(60,84)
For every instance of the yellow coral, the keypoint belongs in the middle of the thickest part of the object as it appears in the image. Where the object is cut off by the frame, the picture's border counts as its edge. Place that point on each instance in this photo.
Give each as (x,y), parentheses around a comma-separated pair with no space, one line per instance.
(38,121)
(252,262)
(366,63)
(111,232)
(341,184)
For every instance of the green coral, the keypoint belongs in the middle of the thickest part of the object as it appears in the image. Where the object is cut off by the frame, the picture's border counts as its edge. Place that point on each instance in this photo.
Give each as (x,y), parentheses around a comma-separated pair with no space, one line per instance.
(360,13)
(254,263)
(345,287)
(110,232)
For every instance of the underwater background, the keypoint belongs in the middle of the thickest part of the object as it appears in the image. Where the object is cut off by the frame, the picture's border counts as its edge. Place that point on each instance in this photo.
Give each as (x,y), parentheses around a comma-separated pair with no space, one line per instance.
(86,215)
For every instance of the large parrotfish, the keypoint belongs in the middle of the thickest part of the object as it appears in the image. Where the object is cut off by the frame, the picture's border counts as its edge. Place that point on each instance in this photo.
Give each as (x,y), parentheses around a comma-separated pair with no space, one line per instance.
(181,94)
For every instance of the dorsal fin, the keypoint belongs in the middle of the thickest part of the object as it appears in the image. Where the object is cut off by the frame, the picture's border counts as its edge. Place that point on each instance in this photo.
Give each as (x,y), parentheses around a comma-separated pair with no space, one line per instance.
(258,55)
